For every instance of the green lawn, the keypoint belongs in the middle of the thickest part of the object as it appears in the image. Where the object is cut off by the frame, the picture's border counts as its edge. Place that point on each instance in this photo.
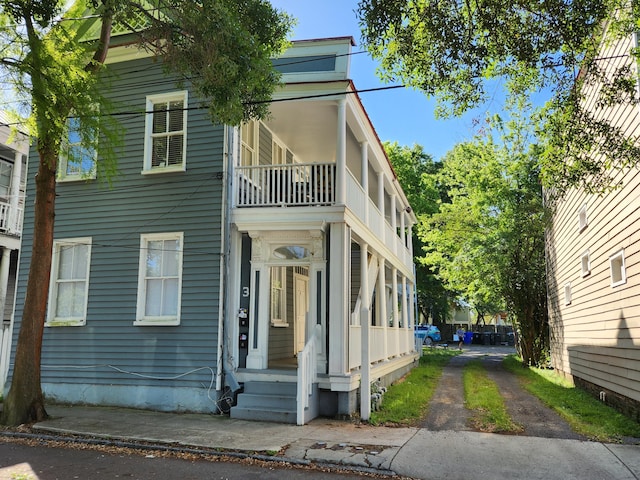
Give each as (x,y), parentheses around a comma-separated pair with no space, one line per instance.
(586,415)
(406,401)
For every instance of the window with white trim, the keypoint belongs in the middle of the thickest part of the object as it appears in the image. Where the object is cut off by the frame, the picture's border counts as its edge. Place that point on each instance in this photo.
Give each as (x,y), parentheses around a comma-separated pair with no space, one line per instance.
(567,293)
(585,264)
(160,279)
(249,144)
(583,221)
(278,296)
(6,170)
(69,286)
(617,269)
(165,148)
(78,153)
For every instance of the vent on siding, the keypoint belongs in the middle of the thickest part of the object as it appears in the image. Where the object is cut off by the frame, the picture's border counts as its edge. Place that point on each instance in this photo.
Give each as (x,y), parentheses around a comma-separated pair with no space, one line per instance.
(617,269)
(585,262)
(582,218)
(567,293)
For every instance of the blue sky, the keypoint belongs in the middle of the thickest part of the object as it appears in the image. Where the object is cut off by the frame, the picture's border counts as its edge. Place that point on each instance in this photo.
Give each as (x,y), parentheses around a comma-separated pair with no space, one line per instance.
(401,115)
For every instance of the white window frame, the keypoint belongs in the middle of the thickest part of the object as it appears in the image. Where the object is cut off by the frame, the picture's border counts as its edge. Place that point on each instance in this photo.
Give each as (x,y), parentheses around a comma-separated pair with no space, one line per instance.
(585,263)
(149,135)
(583,220)
(567,293)
(617,269)
(63,160)
(249,143)
(54,283)
(5,164)
(281,293)
(141,317)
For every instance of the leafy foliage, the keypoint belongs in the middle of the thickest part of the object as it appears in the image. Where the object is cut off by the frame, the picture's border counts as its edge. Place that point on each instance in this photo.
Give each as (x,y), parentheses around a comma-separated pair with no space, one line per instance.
(488,241)
(417,173)
(458,50)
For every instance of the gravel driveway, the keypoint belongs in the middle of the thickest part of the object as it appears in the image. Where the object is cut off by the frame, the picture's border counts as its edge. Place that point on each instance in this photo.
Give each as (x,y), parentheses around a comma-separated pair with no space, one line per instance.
(447,411)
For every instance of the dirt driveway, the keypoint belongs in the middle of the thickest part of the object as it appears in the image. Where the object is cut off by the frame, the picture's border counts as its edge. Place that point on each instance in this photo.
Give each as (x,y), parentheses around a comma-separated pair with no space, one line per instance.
(447,411)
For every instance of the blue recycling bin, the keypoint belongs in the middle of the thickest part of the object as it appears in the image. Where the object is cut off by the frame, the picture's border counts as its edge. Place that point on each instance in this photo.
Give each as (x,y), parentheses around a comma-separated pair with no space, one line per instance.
(468,337)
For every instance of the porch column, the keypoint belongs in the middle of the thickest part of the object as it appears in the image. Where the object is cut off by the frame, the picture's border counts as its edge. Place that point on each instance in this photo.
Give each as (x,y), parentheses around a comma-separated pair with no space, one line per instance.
(403,232)
(258,354)
(339,262)
(381,202)
(365,325)
(382,304)
(364,160)
(412,310)
(16,177)
(405,316)
(410,239)
(341,154)
(317,300)
(394,225)
(394,299)
(4,280)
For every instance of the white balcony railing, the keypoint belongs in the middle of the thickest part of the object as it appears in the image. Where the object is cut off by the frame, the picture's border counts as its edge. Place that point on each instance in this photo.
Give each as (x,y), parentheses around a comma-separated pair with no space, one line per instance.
(296,184)
(10,219)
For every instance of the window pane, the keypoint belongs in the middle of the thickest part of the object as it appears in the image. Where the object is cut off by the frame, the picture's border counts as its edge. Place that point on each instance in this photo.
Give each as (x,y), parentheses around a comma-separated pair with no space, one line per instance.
(159,118)
(80,261)
(175,150)
(65,263)
(159,152)
(176,116)
(70,301)
(153,298)
(154,258)
(170,300)
(170,258)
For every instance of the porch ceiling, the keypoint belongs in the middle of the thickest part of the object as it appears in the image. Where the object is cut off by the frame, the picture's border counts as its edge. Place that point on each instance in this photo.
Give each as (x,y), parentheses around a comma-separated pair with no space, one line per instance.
(308,128)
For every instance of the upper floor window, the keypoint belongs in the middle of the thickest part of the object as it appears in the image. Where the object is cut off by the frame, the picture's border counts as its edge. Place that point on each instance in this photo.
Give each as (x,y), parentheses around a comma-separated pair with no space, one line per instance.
(585,263)
(69,282)
(160,279)
(78,152)
(583,221)
(6,170)
(567,293)
(249,140)
(165,146)
(617,269)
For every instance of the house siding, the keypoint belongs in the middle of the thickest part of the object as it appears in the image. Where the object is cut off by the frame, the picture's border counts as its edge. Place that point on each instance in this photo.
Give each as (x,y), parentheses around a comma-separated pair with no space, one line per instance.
(114,361)
(596,338)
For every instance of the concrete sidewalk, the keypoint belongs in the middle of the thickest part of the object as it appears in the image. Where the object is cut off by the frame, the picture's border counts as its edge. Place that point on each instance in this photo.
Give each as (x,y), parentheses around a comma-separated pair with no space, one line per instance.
(411,452)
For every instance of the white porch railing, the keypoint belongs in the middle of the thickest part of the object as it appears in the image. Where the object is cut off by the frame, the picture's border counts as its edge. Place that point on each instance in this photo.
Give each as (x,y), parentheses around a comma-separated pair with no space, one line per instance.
(10,219)
(307,375)
(5,352)
(399,341)
(294,184)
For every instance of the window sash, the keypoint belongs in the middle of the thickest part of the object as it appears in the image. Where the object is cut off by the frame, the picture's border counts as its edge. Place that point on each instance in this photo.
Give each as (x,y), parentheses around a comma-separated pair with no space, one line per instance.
(165,131)
(160,278)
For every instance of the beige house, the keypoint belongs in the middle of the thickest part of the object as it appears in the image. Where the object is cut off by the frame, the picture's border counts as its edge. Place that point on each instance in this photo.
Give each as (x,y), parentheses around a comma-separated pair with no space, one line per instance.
(593,252)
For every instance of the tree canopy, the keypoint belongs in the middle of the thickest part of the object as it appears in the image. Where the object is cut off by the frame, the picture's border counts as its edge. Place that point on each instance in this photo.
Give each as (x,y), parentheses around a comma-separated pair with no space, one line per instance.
(53,56)
(487,242)
(458,51)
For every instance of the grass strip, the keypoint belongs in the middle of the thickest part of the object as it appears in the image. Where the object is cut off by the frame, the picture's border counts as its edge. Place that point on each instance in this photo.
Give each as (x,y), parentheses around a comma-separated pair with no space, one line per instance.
(405,402)
(585,414)
(483,398)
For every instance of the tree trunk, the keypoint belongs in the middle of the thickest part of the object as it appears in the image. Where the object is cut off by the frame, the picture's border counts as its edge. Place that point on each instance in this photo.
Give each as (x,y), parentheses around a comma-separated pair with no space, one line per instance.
(25,401)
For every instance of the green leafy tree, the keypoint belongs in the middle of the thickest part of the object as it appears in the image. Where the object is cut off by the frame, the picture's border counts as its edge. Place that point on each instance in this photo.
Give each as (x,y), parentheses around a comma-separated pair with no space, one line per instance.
(488,242)
(460,51)
(417,173)
(54,57)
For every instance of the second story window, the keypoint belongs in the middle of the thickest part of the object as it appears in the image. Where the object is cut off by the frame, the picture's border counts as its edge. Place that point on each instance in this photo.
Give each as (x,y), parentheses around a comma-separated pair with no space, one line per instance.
(165,147)
(78,153)
(249,152)
(6,170)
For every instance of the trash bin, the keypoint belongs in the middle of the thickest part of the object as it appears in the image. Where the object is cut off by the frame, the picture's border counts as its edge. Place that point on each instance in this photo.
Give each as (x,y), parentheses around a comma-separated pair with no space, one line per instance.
(486,338)
(468,337)
(511,339)
(498,338)
(477,338)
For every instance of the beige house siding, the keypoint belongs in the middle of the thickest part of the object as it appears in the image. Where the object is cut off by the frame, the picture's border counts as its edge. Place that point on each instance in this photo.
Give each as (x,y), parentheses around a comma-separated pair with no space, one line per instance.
(596,337)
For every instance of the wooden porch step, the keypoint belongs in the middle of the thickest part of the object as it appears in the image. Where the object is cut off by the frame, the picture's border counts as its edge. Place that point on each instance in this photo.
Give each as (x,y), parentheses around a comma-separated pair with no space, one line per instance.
(267,401)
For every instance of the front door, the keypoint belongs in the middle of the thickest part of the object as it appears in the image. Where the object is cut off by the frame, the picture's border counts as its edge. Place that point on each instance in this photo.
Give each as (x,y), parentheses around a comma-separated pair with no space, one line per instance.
(300,311)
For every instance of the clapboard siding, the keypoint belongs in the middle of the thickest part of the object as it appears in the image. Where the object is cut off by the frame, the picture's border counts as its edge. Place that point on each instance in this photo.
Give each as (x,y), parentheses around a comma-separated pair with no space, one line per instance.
(114,214)
(597,336)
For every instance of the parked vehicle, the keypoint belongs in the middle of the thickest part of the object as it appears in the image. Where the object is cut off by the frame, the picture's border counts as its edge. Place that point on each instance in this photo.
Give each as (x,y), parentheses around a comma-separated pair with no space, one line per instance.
(430,333)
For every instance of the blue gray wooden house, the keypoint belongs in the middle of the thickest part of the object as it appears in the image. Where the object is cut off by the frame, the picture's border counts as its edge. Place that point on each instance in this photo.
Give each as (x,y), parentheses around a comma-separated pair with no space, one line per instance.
(264,269)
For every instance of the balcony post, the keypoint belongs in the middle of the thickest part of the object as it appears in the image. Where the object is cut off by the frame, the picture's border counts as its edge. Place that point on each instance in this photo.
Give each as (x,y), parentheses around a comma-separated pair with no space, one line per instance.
(382,304)
(394,303)
(394,225)
(365,326)
(341,154)
(403,234)
(381,202)
(364,160)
